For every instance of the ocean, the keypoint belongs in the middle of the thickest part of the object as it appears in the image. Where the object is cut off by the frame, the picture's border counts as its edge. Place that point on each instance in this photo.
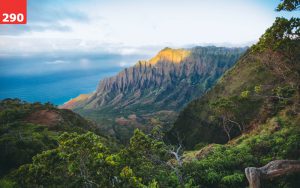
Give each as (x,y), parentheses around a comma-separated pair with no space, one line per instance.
(55,88)
(57,80)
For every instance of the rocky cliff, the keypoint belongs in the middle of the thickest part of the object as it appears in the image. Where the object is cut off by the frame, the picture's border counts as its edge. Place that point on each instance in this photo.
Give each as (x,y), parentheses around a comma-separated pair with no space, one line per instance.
(164,84)
(169,80)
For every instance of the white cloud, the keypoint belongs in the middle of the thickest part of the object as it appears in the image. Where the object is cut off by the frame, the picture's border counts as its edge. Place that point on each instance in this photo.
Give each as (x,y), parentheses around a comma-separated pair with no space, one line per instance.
(126,26)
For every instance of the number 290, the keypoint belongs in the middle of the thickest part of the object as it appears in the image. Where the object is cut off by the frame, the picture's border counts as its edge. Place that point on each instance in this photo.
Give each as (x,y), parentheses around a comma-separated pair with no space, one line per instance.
(13,17)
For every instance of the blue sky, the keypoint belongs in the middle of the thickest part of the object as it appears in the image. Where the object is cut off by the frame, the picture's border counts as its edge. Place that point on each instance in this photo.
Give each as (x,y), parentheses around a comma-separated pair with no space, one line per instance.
(135,26)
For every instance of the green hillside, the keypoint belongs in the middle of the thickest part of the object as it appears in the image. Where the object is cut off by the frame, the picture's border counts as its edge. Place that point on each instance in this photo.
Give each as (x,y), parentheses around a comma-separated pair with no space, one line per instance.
(260,85)
(27,129)
(218,165)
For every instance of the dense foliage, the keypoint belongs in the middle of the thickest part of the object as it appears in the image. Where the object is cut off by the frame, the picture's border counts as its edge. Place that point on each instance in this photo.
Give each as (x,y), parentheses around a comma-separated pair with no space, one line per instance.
(81,160)
(224,165)
(19,142)
(23,135)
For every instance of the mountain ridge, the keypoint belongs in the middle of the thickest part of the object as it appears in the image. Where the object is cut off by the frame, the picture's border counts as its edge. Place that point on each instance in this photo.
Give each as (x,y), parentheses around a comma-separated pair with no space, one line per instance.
(162,86)
(167,55)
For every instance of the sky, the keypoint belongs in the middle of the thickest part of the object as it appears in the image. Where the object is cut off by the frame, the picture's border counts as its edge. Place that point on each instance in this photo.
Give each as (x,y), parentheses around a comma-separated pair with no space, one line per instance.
(59,29)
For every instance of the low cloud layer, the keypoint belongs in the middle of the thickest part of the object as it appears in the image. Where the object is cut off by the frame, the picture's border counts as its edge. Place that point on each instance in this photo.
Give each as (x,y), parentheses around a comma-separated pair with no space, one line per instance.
(48,64)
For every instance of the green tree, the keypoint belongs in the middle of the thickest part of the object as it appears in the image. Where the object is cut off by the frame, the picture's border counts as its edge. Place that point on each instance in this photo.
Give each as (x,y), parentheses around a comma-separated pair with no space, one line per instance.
(148,157)
(225,109)
(79,161)
(288,5)
(82,160)
(129,179)
(283,36)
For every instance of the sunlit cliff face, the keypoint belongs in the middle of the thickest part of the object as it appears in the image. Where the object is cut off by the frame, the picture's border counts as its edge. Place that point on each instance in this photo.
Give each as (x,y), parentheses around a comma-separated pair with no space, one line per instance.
(170,55)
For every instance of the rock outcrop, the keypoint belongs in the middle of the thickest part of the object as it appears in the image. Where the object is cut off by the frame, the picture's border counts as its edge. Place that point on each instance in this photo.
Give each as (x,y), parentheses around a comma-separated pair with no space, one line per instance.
(271,170)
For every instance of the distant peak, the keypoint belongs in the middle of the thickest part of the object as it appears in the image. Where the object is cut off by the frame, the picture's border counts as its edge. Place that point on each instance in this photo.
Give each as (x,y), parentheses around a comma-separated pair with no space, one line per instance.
(170,55)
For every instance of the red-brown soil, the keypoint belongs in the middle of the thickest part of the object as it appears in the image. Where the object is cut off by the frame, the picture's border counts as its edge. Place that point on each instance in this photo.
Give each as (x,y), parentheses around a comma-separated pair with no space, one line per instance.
(48,118)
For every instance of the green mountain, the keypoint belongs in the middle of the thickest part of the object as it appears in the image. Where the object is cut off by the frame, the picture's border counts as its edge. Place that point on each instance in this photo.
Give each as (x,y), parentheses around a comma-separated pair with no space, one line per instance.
(153,92)
(263,82)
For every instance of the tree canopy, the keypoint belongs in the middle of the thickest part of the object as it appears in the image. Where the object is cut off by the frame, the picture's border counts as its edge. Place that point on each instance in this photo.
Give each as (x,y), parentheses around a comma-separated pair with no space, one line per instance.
(288,5)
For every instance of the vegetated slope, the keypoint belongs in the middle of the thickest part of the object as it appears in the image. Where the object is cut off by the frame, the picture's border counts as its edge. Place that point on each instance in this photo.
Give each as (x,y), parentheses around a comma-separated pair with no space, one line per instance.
(255,89)
(153,92)
(27,129)
(258,103)
(217,165)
